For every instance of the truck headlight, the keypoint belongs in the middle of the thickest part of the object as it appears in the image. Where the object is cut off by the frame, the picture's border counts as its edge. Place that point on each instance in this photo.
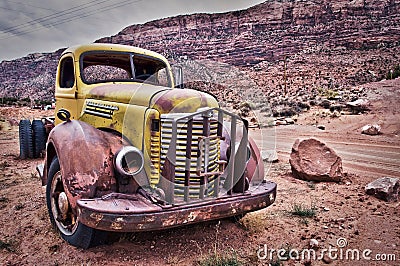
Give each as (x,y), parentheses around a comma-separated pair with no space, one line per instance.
(129,161)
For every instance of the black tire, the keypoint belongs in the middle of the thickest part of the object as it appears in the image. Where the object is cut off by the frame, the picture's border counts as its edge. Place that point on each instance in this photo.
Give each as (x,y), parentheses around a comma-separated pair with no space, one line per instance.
(71,230)
(25,139)
(39,138)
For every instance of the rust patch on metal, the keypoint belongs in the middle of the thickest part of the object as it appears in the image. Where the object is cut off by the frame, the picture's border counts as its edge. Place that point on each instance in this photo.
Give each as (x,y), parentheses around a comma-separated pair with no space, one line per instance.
(147,216)
(97,217)
(86,159)
(118,224)
(182,101)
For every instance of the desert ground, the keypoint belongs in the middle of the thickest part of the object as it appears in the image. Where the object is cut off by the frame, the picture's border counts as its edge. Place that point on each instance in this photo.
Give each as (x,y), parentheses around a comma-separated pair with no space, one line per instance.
(344,214)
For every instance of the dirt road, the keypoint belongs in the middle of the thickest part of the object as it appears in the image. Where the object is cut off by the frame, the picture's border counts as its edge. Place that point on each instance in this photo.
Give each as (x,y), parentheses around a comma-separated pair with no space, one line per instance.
(368,156)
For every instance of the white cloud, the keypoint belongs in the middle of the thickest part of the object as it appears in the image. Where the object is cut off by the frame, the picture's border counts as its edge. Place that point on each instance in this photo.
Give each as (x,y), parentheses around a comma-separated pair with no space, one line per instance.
(28,27)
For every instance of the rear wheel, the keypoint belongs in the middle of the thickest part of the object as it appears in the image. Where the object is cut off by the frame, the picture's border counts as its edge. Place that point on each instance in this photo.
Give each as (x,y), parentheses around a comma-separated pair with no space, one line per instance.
(39,138)
(62,216)
(25,139)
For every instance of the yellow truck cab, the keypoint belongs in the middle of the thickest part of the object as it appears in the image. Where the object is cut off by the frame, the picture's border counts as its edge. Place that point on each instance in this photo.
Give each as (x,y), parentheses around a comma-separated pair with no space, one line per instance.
(132,150)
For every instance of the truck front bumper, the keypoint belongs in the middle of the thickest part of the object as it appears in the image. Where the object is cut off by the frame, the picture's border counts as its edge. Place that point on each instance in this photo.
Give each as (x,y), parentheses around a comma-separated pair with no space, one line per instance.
(135,213)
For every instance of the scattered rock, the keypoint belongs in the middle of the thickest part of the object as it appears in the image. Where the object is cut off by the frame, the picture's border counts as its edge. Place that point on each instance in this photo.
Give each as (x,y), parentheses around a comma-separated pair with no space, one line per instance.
(327,259)
(358,106)
(385,188)
(312,160)
(270,156)
(340,220)
(322,127)
(281,123)
(371,129)
(313,243)
(286,112)
(336,108)
(289,121)
(335,114)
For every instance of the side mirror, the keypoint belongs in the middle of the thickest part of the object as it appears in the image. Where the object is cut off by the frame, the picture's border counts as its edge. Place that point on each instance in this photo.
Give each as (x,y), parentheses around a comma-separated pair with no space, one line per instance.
(178,74)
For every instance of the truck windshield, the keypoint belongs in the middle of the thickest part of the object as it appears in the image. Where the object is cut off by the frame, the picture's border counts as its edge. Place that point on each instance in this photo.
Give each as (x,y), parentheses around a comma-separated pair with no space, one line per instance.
(100,66)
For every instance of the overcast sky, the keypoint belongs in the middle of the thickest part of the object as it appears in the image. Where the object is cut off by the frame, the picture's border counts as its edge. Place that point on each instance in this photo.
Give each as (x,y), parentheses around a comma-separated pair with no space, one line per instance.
(28,26)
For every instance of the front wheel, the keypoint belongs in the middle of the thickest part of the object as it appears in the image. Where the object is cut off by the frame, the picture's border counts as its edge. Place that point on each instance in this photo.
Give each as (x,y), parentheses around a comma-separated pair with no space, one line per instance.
(62,217)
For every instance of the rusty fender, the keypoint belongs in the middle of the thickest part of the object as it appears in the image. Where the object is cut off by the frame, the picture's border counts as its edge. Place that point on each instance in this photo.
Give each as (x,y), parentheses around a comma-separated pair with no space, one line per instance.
(134,213)
(86,157)
(255,166)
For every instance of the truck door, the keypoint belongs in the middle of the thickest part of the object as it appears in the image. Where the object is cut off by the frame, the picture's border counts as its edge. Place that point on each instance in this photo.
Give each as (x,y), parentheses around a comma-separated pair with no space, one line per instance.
(65,89)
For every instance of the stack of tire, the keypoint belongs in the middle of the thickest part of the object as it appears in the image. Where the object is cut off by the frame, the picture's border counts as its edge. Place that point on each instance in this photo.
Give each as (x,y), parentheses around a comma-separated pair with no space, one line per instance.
(32,138)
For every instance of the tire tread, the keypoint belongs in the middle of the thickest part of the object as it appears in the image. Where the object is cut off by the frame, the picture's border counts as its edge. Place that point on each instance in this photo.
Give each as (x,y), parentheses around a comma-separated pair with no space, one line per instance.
(39,138)
(25,139)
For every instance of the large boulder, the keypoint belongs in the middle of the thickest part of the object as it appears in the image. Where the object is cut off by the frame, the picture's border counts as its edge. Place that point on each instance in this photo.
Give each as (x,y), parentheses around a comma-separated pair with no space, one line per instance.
(312,160)
(385,188)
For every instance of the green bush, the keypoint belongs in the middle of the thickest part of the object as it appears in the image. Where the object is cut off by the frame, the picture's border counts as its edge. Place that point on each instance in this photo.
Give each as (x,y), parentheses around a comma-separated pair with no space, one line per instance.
(303,211)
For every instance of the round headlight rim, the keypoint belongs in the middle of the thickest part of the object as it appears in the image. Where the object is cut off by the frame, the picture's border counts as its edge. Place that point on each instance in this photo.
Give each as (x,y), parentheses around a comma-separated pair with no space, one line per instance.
(118,161)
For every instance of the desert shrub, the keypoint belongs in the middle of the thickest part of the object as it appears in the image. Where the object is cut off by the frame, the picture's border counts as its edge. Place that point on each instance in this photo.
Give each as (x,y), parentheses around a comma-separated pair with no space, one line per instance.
(303,105)
(395,73)
(325,104)
(303,211)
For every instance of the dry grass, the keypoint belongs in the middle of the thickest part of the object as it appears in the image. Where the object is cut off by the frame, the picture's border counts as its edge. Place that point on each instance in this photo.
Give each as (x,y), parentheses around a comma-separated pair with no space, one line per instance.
(254,222)
(220,259)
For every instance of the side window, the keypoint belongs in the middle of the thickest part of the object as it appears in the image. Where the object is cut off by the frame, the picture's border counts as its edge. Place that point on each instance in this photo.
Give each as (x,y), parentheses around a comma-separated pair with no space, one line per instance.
(67,75)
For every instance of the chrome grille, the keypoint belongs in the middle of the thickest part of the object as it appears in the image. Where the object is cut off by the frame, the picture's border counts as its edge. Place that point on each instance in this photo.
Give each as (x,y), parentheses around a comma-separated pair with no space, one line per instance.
(202,162)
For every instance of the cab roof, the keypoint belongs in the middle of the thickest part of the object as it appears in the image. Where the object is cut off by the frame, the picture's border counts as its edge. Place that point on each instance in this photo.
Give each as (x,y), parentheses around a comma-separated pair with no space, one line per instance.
(78,50)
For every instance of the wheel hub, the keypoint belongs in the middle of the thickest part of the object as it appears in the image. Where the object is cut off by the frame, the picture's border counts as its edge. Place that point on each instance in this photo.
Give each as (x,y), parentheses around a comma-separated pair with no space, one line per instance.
(63,205)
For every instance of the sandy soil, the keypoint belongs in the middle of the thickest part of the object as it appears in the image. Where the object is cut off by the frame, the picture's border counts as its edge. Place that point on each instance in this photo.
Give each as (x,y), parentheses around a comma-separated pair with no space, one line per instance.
(343,211)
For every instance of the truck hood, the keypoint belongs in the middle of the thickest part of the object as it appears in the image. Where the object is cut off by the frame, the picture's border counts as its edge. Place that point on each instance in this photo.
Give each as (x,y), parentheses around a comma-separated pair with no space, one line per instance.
(165,100)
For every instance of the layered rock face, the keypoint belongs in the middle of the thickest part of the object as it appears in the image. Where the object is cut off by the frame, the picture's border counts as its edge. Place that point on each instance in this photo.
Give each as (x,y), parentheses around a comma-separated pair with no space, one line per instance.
(270,31)
(287,47)
(32,76)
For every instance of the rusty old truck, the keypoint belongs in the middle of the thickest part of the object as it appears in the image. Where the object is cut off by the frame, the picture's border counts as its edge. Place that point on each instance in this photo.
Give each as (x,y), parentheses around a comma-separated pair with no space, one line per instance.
(130,149)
